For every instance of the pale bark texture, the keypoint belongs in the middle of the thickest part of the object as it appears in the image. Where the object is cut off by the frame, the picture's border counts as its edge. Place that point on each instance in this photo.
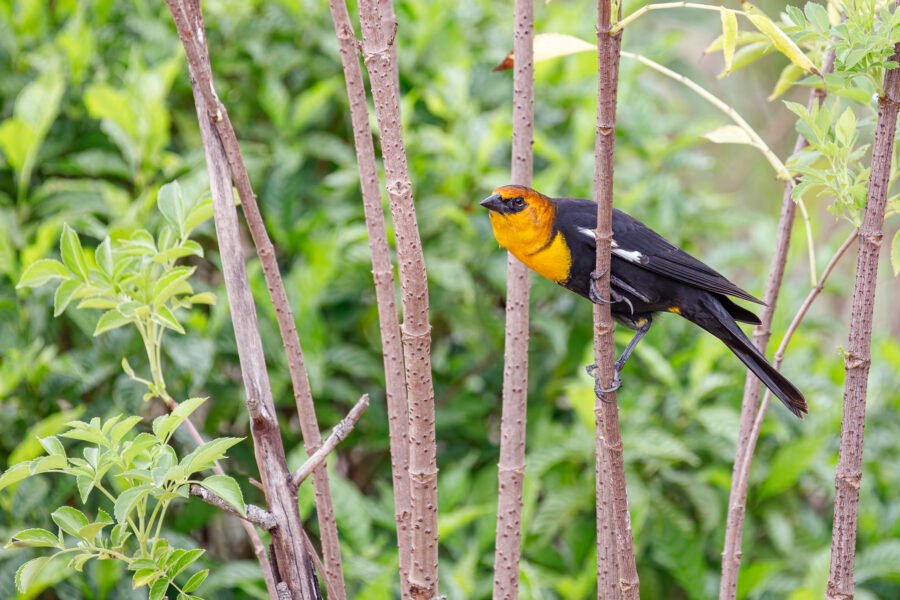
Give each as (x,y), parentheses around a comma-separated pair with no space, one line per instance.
(737,499)
(616,569)
(294,565)
(383,274)
(858,356)
(511,471)
(416,329)
(195,47)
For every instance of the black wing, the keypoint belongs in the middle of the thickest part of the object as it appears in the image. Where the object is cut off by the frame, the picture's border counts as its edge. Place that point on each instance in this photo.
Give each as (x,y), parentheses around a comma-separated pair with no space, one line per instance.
(638,244)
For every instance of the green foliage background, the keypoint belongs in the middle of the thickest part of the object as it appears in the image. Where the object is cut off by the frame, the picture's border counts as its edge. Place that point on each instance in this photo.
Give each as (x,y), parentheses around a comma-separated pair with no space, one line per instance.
(98,114)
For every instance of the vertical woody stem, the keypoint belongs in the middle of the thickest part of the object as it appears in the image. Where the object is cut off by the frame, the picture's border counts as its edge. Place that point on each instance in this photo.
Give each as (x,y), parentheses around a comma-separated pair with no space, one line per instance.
(383,273)
(515,361)
(616,570)
(858,357)
(416,329)
(737,500)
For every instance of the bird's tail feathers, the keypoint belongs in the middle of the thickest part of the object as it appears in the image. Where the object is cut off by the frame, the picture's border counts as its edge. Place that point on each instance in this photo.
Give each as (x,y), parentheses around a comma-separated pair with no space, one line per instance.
(720,321)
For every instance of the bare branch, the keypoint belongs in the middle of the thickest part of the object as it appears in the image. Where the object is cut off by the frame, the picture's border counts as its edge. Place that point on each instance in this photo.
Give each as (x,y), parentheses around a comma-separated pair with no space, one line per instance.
(737,500)
(858,357)
(292,560)
(383,274)
(338,434)
(616,571)
(255,515)
(511,470)
(416,329)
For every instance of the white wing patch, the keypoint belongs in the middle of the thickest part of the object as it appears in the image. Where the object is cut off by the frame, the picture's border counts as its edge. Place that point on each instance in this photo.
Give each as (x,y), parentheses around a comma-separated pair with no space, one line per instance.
(629,255)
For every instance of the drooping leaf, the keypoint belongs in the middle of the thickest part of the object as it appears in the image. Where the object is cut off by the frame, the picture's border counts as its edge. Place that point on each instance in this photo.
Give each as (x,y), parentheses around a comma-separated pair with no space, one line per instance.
(729,37)
(227,489)
(729,134)
(782,41)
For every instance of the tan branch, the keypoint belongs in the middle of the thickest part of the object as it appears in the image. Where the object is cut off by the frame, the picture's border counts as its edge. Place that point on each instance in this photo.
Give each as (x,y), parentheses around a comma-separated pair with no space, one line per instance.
(338,434)
(255,515)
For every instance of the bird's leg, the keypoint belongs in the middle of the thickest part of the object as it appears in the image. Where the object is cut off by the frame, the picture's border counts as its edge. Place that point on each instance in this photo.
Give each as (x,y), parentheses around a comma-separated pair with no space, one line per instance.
(620,363)
(596,298)
(639,334)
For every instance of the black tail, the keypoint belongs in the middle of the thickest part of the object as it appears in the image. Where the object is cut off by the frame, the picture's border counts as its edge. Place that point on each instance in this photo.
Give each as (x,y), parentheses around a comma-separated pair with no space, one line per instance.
(711,315)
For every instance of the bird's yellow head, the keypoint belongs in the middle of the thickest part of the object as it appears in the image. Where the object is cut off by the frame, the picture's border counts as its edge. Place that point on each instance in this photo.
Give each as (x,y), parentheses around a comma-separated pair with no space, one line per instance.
(522,218)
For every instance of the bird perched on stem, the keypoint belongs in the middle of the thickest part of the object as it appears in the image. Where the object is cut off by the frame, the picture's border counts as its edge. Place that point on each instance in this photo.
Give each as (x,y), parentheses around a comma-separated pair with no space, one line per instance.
(555,237)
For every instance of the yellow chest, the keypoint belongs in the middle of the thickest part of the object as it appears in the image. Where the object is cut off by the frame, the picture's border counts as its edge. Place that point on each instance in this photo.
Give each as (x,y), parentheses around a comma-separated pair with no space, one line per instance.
(553,260)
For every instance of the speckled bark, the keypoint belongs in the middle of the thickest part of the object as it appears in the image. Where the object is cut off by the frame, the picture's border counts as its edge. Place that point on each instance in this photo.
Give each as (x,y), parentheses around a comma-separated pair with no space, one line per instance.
(416,329)
(615,545)
(858,356)
(746,444)
(511,472)
(383,273)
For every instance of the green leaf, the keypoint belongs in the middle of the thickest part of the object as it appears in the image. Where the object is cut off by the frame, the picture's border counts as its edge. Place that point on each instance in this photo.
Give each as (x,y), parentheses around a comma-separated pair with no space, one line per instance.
(845,128)
(729,37)
(144,576)
(41,271)
(89,532)
(171,205)
(34,538)
(121,429)
(201,212)
(104,256)
(64,294)
(184,561)
(203,298)
(204,456)
(895,253)
(159,589)
(164,317)
(52,445)
(111,319)
(195,581)
(15,474)
(69,519)
(782,42)
(26,574)
(729,134)
(789,464)
(48,463)
(790,74)
(171,284)
(165,425)
(127,499)
(227,489)
(85,486)
(72,253)
(98,302)
(79,560)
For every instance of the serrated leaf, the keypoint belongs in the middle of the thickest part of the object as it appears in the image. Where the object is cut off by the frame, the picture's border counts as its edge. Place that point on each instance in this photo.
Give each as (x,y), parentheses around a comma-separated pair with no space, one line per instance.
(127,499)
(164,317)
(171,205)
(729,37)
(90,531)
(104,256)
(72,253)
(69,519)
(52,445)
(111,319)
(25,574)
(121,429)
(79,560)
(204,456)
(34,538)
(64,295)
(48,463)
(227,489)
(195,581)
(15,474)
(184,561)
(729,134)
(85,486)
(41,271)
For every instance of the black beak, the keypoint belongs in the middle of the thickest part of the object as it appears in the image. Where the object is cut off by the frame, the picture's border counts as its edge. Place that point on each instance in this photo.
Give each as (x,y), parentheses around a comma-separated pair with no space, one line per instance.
(494,203)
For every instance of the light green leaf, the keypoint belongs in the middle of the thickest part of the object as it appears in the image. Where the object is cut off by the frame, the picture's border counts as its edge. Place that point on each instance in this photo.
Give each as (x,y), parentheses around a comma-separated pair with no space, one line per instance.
(144,576)
(782,42)
(729,37)
(121,429)
(845,128)
(85,486)
(203,298)
(90,531)
(204,456)
(195,581)
(69,519)
(790,74)
(72,253)
(79,560)
(127,499)
(41,271)
(64,294)
(98,302)
(184,561)
(227,489)
(201,212)
(165,425)
(729,134)
(789,464)
(171,205)
(48,463)
(26,574)
(159,589)
(34,538)
(52,445)
(104,256)
(15,474)
(164,317)
(895,253)
(111,319)
(170,284)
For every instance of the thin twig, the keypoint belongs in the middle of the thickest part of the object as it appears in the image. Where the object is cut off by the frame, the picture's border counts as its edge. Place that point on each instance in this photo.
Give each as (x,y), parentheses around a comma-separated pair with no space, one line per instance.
(781,171)
(338,434)
(511,470)
(857,359)
(254,515)
(292,561)
(746,444)
(383,275)
(666,5)
(616,570)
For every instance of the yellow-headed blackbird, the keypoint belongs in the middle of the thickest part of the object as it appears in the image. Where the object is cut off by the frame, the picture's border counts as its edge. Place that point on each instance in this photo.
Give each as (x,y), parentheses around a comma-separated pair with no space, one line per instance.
(555,238)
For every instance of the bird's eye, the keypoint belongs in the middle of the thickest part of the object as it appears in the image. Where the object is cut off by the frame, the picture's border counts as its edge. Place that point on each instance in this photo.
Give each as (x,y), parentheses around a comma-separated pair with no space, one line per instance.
(518,201)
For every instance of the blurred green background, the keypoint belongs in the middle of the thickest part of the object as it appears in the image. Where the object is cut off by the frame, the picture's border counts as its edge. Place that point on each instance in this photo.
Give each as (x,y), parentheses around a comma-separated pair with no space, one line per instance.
(113,119)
